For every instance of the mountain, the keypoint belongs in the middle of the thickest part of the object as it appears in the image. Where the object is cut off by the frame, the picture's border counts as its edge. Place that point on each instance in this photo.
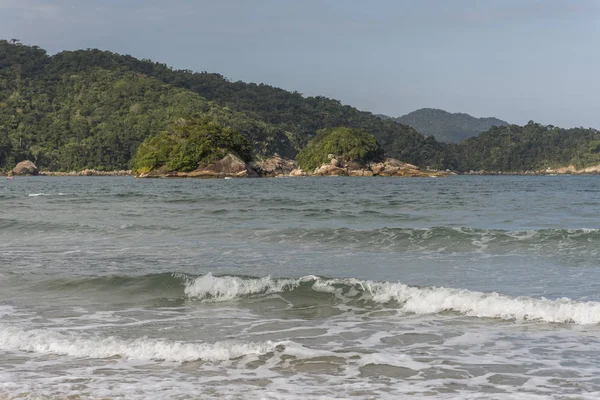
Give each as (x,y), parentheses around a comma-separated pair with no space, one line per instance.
(92,109)
(530,147)
(447,127)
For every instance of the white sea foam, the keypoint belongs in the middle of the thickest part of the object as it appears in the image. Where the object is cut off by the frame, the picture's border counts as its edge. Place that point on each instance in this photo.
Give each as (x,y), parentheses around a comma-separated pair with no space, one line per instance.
(425,300)
(44,194)
(485,305)
(231,287)
(6,310)
(51,342)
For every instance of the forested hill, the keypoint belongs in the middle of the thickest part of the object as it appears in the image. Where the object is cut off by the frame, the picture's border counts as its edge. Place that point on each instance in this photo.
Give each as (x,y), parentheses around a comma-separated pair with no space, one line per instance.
(92,109)
(530,147)
(448,127)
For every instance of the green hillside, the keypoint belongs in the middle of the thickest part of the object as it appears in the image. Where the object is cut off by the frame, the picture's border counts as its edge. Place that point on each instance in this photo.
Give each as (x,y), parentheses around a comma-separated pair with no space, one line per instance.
(529,147)
(73,118)
(447,127)
(92,109)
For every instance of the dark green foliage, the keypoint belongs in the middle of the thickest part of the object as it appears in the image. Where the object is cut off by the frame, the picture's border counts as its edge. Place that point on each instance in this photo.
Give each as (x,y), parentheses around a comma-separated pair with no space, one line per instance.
(293,119)
(447,127)
(529,147)
(65,117)
(347,144)
(92,109)
(190,144)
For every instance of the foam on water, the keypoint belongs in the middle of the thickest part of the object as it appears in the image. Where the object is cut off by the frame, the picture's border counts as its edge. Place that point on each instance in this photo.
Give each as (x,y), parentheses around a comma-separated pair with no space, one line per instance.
(418,300)
(44,194)
(52,342)
(228,288)
(485,305)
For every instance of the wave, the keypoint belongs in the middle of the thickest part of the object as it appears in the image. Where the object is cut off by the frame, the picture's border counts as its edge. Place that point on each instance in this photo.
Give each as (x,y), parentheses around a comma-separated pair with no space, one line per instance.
(52,342)
(439,238)
(350,291)
(410,299)
(44,194)
(15,225)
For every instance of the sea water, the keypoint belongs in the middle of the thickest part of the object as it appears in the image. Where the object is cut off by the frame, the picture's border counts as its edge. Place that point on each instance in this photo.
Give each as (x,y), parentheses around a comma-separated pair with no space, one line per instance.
(304,288)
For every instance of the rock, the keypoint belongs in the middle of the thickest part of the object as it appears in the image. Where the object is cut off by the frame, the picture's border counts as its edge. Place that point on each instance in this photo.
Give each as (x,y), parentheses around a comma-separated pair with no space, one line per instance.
(329,170)
(389,172)
(274,166)
(229,166)
(377,168)
(25,168)
(298,172)
(360,172)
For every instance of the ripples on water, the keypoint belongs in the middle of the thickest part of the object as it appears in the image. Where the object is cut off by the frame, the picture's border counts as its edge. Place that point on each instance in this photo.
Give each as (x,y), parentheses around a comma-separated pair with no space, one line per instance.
(467,287)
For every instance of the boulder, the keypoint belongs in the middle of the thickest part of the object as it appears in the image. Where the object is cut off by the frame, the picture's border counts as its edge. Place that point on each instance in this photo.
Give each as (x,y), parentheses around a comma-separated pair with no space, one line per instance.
(377,168)
(298,172)
(229,166)
(25,168)
(329,170)
(274,166)
(360,172)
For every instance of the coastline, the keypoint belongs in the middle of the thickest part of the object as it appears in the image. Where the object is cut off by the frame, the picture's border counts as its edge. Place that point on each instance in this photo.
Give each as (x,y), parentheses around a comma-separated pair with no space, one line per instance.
(564,171)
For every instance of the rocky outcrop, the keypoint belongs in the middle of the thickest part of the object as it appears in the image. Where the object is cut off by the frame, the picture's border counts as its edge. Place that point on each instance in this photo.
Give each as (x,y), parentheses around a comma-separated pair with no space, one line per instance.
(274,166)
(330,170)
(298,172)
(571,169)
(88,172)
(25,168)
(230,166)
(388,167)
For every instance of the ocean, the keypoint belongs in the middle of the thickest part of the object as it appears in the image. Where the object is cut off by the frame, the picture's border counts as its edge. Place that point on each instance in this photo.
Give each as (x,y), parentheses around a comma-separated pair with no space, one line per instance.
(467,287)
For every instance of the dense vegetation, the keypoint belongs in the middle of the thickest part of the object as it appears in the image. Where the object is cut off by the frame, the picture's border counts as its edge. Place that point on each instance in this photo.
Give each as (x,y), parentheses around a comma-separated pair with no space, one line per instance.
(447,127)
(92,109)
(346,144)
(529,147)
(190,144)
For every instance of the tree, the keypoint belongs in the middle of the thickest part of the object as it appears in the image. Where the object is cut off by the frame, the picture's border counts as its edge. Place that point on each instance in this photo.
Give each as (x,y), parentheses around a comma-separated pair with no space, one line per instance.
(346,144)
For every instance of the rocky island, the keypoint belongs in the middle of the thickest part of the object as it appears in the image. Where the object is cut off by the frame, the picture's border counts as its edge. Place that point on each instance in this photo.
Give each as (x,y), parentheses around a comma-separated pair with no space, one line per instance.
(201,148)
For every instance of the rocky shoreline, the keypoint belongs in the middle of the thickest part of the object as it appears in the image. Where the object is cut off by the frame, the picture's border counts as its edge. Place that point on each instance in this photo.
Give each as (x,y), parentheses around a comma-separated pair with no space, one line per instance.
(233,167)
(88,172)
(570,170)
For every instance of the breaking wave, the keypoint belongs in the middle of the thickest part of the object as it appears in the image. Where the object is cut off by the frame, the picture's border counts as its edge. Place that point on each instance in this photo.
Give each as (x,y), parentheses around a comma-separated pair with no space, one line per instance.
(354,292)
(410,299)
(51,342)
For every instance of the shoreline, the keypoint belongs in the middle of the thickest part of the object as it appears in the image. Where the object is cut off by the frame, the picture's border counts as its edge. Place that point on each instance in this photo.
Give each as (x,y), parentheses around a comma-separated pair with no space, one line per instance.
(182,176)
(565,171)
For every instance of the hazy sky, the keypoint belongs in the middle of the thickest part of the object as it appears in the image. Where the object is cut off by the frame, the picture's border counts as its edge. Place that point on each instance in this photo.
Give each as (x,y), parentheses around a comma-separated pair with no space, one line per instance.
(513,59)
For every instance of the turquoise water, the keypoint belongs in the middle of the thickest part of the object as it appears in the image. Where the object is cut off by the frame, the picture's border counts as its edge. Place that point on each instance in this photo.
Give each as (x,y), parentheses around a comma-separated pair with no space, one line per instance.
(465,287)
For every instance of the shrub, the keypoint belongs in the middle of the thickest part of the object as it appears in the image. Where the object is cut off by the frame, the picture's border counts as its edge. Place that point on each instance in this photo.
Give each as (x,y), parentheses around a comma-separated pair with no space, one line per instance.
(347,144)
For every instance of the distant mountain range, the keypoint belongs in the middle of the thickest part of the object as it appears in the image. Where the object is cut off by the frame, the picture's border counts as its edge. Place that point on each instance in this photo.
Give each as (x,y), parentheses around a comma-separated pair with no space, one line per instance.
(447,127)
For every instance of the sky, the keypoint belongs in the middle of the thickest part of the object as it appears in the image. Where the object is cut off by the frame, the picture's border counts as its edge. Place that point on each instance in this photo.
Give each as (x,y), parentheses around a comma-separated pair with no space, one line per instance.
(517,60)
